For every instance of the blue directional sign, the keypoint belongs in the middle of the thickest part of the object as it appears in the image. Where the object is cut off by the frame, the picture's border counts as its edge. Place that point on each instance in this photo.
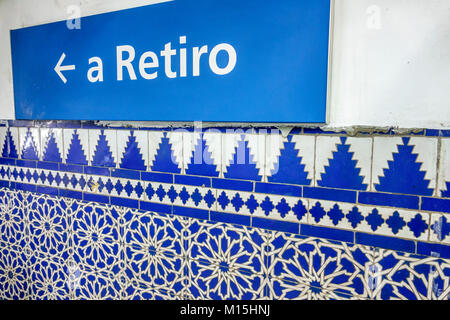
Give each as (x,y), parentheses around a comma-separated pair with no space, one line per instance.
(183,60)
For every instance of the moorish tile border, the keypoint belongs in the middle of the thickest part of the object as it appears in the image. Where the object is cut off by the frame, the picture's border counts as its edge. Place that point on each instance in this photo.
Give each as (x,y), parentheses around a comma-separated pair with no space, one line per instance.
(382,189)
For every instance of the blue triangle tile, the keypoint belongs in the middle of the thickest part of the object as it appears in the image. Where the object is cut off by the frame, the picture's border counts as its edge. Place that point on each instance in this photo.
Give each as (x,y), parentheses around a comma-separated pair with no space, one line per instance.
(289,168)
(201,162)
(446,193)
(30,151)
(102,155)
(403,174)
(76,154)
(164,159)
(238,170)
(132,157)
(9,148)
(341,171)
(51,152)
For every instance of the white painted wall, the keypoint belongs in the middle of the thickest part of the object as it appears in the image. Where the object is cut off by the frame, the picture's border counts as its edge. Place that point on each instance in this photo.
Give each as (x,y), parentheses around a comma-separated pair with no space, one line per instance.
(390,62)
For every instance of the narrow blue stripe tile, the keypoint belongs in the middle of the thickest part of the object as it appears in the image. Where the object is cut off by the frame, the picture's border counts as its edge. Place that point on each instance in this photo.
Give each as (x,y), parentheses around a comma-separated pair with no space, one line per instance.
(47,190)
(193,181)
(327,233)
(445,133)
(26,163)
(275,225)
(157,177)
(95,197)
(434,204)
(191,212)
(329,194)
(71,168)
(8,161)
(97,171)
(25,187)
(432,132)
(129,203)
(232,184)
(385,242)
(433,249)
(280,189)
(155,207)
(127,174)
(71,194)
(48,165)
(230,218)
(386,199)
(4,184)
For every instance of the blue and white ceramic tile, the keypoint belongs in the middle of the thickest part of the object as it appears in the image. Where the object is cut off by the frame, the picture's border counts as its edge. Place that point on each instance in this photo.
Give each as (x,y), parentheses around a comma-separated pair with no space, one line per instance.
(160,193)
(404,165)
(289,159)
(3,141)
(154,140)
(51,144)
(97,251)
(219,282)
(193,197)
(132,149)
(237,246)
(9,147)
(30,143)
(13,221)
(49,279)
(284,208)
(440,228)
(325,265)
(44,177)
(239,202)
(369,219)
(14,275)
(166,151)
(154,254)
(97,285)
(444,169)
(102,148)
(76,146)
(48,228)
(243,156)
(202,153)
(343,162)
(278,289)
(403,276)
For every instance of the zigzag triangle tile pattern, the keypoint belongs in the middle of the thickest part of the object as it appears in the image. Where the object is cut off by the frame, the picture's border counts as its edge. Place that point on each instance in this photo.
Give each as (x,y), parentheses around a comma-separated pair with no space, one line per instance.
(201,162)
(165,160)
(9,149)
(302,218)
(76,154)
(242,165)
(132,156)
(289,168)
(29,146)
(102,155)
(342,171)
(51,150)
(404,174)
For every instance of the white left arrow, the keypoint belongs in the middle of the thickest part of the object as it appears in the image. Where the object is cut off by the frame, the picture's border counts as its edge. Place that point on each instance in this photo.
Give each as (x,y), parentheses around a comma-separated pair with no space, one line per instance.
(59,68)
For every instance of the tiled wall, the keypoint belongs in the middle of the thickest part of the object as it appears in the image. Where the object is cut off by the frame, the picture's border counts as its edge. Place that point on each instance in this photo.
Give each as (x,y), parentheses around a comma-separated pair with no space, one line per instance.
(96,211)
